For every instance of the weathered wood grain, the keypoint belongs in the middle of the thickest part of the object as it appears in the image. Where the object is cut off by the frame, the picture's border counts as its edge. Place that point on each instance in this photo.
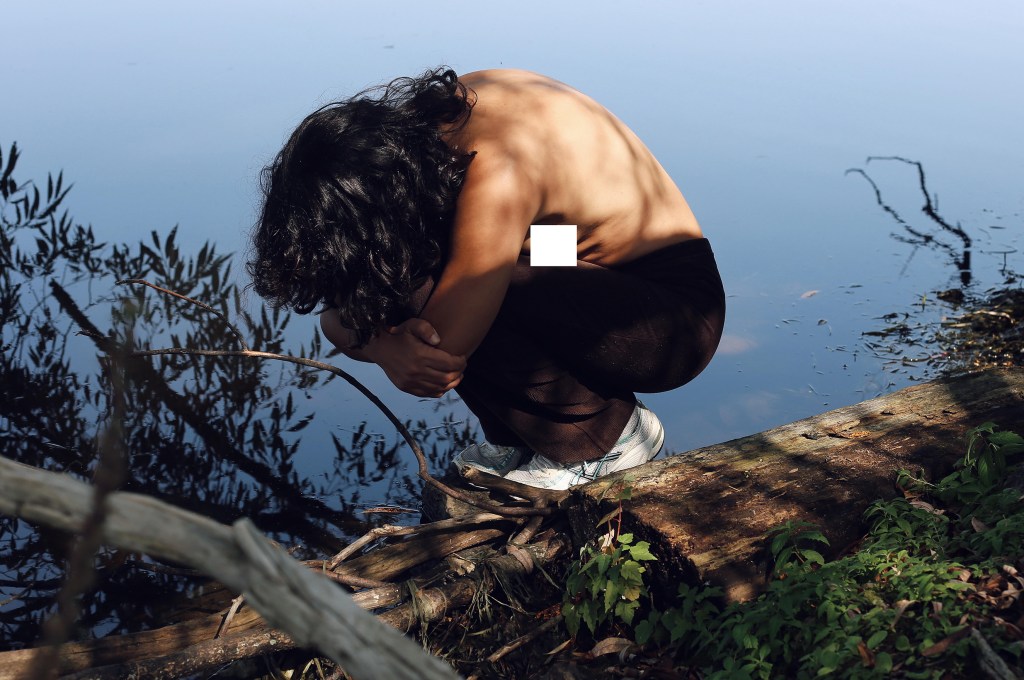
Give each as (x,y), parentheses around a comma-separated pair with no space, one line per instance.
(706,511)
(310,609)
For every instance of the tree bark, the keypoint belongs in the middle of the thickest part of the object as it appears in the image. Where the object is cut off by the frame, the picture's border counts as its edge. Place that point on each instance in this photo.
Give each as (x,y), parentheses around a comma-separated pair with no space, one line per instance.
(189,648)
(706,512)
(308,607)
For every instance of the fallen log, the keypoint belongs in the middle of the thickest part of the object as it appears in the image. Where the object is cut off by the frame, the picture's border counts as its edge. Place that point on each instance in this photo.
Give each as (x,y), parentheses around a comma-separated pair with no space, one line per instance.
(706,512)
(188,648)
(79,656)
(311,609)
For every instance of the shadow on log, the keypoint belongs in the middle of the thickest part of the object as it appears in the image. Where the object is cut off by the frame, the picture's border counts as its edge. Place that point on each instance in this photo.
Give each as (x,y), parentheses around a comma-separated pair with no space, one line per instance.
(706,512)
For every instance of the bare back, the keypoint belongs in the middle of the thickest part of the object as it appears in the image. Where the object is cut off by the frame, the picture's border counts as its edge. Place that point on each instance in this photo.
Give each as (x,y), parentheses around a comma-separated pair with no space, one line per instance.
(586,167)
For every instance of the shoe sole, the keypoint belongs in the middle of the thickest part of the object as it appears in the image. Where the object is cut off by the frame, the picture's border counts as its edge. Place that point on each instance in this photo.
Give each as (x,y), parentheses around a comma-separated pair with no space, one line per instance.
(643,452)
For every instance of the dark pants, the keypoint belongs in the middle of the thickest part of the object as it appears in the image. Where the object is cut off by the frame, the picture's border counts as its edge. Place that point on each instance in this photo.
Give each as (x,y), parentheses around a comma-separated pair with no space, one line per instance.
(558,368)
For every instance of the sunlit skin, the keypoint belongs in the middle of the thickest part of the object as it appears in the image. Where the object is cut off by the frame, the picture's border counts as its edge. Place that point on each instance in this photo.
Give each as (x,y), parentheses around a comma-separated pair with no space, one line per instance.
(545,154)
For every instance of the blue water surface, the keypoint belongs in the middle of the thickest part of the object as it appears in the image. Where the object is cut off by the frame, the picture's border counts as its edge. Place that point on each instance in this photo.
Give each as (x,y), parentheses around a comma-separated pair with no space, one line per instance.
(164,114)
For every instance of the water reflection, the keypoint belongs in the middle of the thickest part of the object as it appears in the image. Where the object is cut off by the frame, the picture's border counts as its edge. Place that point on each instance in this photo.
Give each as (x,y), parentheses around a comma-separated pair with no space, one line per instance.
(222,436)
(958,253)
(215,435)
(956,329)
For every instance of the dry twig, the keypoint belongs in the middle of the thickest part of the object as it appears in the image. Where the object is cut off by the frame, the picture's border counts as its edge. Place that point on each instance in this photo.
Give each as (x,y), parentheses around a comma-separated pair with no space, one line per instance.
(309,608)
(421,459)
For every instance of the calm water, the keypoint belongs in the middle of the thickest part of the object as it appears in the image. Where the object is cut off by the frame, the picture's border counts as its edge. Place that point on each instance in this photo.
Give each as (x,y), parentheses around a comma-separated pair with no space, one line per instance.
(164,116)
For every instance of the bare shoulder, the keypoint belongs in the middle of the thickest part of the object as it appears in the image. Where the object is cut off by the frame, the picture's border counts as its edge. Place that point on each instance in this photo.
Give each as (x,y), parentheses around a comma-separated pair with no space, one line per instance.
(509,77)
(577,161)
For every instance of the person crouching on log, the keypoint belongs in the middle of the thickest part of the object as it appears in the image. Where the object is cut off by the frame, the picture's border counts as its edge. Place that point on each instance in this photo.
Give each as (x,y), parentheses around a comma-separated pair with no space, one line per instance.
(410,213)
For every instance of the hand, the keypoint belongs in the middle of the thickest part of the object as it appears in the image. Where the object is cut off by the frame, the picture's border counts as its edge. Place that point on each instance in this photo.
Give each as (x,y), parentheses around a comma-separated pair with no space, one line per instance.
(409,355)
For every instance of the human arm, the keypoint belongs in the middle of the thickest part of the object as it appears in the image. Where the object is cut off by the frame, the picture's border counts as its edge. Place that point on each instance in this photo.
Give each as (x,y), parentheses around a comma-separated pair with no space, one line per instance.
(495,209)
(407,353)
(342,338)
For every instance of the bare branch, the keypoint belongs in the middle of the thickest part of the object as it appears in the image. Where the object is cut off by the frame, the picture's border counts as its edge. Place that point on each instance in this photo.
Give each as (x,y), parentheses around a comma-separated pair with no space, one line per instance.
(392,530)
(424,472)
(312,610)
(201,305)
(81,574)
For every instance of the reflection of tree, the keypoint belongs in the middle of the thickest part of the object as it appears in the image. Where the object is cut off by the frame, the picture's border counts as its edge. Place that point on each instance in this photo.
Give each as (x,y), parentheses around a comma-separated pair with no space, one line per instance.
(975,329)
(215,435)
(960,254)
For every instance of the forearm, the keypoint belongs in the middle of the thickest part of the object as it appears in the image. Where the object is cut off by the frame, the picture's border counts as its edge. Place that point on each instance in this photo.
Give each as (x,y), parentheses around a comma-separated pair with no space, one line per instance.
(342,338)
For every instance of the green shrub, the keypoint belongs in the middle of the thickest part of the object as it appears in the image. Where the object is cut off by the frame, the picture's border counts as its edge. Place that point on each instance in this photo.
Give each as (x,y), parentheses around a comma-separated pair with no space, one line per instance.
(904,603)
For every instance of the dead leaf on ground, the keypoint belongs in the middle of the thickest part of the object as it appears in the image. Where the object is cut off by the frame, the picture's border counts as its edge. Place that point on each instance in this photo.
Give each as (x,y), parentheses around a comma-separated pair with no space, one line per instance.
(560,647)
(943,644)
(610,645)
(901,606)
(866,656)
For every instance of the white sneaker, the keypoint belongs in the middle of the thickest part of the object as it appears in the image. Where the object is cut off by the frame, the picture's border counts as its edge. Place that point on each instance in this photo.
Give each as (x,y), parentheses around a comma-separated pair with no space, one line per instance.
(496,460)
(641,440)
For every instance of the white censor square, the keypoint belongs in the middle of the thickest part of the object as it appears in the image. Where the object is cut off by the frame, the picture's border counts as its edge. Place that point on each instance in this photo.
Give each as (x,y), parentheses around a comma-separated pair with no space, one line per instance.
(552,245)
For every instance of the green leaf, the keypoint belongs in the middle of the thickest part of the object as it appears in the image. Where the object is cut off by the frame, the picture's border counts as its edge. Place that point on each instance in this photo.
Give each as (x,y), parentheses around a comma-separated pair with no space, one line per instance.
(883,662)
(626,611)
(784,557)
(642,552)
(625,539)
(572,618)
(643,631)
(877,638)
(589,615)
(612,591)
(778,543)
(813,556)
(632,571)
(812,536)
(595,588)
(1001,439)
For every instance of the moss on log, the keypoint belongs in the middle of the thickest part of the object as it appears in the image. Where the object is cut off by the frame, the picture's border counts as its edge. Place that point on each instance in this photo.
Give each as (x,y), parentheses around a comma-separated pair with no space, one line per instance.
(706,512)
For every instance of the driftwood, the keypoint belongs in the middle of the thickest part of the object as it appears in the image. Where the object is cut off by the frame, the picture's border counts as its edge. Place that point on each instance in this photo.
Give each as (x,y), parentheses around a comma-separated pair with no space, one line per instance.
(78,656)
(191,647)
(706,512)
(313,611)
(391,561)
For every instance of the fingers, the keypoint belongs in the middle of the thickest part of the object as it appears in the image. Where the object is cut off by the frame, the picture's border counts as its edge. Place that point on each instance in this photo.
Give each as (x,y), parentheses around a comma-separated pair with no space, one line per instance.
(433,383)
(422,329)
(440,361)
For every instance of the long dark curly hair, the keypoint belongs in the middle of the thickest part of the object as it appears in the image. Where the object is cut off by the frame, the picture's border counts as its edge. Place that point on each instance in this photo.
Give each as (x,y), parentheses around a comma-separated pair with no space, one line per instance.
(358,205)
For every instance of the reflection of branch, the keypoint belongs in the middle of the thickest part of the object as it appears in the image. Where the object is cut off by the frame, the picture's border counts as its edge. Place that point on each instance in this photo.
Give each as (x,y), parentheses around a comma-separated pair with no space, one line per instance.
(421,459)
(424,471)
(81,574)
(919,238)
(214,438)
(928,208)
(201,305)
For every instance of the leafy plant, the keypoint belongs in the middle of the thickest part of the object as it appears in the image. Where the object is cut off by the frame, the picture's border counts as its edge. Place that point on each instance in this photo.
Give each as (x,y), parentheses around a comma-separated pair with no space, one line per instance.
(607,584)
(936,568)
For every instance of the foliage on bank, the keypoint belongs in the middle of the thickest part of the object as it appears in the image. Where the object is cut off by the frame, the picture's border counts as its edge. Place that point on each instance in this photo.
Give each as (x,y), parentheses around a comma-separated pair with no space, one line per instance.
(932,591)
